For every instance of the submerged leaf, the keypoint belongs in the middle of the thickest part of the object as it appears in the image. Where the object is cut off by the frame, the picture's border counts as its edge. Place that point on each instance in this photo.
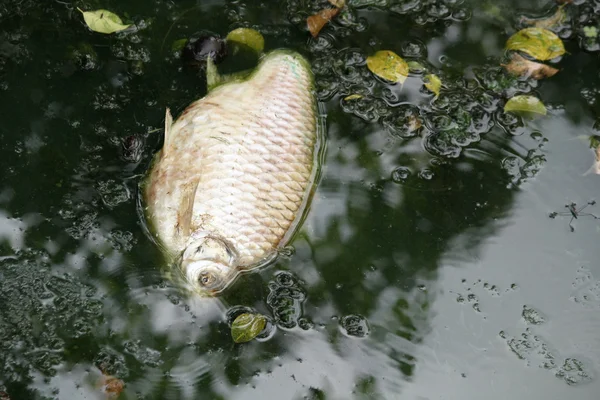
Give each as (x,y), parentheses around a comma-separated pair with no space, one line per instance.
(247,326)
(248,37)
(433,83)
(317,22)
(525,103)
(110,385)
(550,22)
(521,66)
(539,43)
(388,65)
(103,21)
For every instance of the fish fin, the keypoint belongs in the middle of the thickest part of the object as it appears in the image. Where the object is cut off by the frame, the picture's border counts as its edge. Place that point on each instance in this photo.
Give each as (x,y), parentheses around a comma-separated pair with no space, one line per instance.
(168,125)
(595,168)
(184,215)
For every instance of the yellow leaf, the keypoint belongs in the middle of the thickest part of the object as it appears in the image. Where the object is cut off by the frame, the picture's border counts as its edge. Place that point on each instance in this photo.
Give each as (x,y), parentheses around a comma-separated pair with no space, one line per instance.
(353,97)
(338,3)
(317,22)
(525,103)
(103,21)
(388,65)
(249,37)
(539,43)
(521,66)
(433,83)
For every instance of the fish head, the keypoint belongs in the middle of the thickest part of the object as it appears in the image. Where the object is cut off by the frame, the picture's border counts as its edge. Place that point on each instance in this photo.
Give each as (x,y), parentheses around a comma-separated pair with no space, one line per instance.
(208,265)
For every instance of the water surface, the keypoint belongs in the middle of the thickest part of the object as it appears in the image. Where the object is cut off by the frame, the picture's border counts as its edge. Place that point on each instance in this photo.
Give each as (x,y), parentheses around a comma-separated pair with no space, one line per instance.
(427,267)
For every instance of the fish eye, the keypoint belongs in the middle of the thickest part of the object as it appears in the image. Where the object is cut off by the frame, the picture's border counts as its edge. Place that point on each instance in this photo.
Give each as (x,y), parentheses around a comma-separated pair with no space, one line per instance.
(206,279)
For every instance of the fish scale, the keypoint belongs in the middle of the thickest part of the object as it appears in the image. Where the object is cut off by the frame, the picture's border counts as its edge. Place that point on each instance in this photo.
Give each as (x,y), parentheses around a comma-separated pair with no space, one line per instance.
(238,164)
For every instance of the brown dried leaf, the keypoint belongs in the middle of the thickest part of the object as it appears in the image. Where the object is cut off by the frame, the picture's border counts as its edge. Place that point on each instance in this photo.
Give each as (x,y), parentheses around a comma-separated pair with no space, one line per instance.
(521,66)
(414,123)
(317,22)
(110,385)
(338,3)
(4,396)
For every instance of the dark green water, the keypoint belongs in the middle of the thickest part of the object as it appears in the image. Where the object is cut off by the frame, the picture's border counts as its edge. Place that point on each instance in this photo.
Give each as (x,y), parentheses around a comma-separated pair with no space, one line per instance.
(427,268)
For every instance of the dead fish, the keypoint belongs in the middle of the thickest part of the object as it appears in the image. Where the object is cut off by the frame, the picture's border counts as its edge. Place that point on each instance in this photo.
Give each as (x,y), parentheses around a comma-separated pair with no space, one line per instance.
(235,175)
(595,168)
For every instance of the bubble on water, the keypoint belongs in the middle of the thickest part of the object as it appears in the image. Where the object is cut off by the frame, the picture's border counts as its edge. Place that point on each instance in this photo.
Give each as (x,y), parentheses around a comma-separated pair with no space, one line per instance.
(532,316)
(40,312)
(355,325)
(144,355)
(285,299)
(574,372)
(532,349)
(403,121)
(111,362)
(305,324)
(586,289)
(426,174)
(400,174)
(112,192)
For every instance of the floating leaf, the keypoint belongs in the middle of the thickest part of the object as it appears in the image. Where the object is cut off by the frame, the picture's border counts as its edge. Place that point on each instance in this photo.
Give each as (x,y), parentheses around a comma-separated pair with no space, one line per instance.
(525,103)
(353,97)
(248,37)
(521,66)
(316,22)
(103,21)
(554,20)
(414,123)
(178,45)
(388,65)
(433,83)
(247,326)
(415,67)
(539,43)
(590,32)
(338,3)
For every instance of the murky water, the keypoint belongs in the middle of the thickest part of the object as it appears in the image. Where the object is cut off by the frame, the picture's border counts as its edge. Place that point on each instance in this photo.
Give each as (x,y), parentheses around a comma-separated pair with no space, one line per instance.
(427,268)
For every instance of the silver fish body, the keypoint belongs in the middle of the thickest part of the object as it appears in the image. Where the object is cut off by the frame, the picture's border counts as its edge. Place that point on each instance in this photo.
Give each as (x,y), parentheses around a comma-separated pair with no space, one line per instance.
(235,174)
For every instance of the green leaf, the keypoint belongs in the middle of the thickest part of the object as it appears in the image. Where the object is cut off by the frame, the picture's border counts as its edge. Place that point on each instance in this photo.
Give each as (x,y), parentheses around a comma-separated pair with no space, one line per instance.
(103,21)
(590,32)
(525,104)
(433,83)
(248,37)
(178,45)
(416,67)
(388,65)
(539,43)
(247,326)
